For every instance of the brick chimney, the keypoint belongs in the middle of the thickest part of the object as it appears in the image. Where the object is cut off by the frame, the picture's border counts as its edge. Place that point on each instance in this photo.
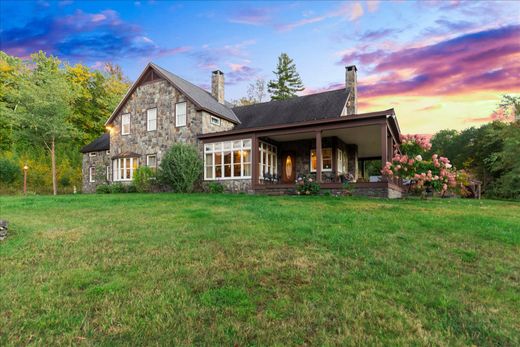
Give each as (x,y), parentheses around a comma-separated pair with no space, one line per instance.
(351,85)
(217,85)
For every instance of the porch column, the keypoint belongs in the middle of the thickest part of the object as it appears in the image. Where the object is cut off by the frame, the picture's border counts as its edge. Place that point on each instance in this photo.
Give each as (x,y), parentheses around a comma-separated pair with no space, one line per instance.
(254,160)
(384,148)
(318,156)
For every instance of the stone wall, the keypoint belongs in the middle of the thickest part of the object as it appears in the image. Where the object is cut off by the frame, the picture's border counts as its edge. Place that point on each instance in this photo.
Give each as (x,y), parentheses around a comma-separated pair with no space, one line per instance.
(234,185)
(208,127)
(100,162)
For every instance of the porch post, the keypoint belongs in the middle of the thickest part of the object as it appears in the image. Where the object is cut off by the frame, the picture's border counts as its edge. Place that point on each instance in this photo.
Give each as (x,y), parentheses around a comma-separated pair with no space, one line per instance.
(318,156)
(254,160)
(384,147)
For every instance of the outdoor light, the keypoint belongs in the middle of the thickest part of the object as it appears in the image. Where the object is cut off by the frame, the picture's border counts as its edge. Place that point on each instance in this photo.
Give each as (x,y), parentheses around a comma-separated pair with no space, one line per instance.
(25,169)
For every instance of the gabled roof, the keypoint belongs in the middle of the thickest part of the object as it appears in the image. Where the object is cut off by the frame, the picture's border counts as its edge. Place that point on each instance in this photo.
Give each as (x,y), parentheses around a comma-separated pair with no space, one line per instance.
(102,143)
(198,96)
(298,109)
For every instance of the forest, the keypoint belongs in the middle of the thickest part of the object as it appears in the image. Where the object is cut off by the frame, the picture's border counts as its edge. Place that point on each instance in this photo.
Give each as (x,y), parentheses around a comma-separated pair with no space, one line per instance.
(50,109)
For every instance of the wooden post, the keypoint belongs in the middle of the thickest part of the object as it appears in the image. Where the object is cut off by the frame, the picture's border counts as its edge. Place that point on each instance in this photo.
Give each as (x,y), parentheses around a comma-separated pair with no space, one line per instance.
(384,148)
(254,160)
(319,163)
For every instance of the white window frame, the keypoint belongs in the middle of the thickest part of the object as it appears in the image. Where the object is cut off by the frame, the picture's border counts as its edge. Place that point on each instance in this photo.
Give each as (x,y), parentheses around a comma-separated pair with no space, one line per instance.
(331,159)
(228,147)
(215,120)
(92,174)
(268,152)
(148,160)
(108,173)
(123,164)
(179,121)
(124,117)
(108,152)
(92,154)
(151,111)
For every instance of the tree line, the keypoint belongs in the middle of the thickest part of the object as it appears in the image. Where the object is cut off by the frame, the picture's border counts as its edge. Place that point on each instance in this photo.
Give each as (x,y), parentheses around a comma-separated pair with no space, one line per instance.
(49,110)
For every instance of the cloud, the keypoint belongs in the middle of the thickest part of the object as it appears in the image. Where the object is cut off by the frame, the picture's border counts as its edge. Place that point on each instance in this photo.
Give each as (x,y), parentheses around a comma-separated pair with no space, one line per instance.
(252,16)
(240,73)
(356,11)
(377,34)
(485,60)
(301,22)
(83,36)
(209,57)
(372,5)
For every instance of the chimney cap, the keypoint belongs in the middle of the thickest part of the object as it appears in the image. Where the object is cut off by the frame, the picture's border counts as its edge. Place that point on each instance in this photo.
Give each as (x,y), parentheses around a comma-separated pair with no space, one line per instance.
(217,72)
(351,67)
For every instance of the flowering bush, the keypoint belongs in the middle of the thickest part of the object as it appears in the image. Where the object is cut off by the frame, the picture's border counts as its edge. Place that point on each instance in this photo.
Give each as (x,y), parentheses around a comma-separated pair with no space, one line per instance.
(436,173)
(307,185)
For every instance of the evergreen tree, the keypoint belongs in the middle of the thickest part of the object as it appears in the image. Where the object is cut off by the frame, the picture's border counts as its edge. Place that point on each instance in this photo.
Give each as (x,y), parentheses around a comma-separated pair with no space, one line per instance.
(287,81)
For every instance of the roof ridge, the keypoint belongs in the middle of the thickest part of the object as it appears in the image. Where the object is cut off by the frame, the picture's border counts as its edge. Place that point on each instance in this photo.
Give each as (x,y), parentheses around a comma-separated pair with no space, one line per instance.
(297,97)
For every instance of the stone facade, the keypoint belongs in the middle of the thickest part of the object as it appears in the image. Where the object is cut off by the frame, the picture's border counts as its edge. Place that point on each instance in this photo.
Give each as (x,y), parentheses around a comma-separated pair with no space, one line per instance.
(235,185)
(100,162)
(208,127)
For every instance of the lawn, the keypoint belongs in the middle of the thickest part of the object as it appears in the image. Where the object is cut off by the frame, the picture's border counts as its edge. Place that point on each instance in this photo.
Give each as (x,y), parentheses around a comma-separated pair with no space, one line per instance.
(255,270)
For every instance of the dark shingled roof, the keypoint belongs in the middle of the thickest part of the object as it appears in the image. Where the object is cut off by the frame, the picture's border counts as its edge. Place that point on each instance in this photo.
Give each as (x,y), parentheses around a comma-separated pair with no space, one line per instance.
(298,109)
(102,143)
(202,98)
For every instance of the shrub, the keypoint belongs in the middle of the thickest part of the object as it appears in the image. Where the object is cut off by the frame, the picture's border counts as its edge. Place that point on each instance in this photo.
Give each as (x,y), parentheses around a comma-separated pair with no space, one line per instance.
(103,189)
(117,187)
(131,188)
(181,167)
(306,185)
(215,188)
(9,171)
(143,180)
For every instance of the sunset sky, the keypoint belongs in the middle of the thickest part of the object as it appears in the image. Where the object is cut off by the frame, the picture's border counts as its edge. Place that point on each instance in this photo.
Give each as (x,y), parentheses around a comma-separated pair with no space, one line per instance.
(440,64)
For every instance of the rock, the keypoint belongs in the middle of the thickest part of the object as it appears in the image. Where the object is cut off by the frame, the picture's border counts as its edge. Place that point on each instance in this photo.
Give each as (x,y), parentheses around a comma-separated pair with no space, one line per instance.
(3,229)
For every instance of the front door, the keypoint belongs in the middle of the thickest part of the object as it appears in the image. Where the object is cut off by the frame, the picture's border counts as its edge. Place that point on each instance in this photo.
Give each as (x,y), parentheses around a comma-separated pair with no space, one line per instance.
(288,168)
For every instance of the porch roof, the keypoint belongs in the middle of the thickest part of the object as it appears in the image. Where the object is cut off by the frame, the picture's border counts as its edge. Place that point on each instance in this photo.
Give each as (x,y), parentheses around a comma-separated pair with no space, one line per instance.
(329,123)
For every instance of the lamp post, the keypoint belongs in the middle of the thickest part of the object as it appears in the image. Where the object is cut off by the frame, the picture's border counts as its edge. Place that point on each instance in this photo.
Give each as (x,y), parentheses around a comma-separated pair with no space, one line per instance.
(25,168)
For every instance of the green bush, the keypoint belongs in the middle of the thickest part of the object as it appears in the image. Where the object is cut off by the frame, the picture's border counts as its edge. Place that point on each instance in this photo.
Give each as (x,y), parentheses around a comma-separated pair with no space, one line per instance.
(181,167)
(117,187)
(144,179)
(215,188)
(103,189)
(9,171)
(131,188)
(306,185)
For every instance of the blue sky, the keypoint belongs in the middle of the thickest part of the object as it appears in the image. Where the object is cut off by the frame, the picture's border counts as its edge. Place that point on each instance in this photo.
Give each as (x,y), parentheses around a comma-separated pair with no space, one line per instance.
(440,64)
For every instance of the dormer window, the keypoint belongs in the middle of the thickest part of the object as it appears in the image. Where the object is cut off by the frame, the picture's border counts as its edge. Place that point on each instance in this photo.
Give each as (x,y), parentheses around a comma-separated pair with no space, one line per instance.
(125,124)
(92,154)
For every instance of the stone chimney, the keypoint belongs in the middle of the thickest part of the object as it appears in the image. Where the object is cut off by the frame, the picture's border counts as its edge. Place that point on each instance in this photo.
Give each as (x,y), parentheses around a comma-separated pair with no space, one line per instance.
(351,85)
(217,85)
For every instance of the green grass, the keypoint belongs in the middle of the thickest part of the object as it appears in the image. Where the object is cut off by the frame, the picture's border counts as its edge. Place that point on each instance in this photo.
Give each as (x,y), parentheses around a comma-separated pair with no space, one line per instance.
(253,270)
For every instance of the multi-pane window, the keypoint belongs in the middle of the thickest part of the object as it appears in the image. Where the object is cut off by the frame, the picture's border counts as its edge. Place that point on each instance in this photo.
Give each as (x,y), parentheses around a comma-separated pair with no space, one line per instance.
(215,120)
(151,161)
(326,159)
(342,161)
(108,173)
(180,114)
(124,168)
(125,124)
(229,159)
(268,162)
(92,174)
(151,119)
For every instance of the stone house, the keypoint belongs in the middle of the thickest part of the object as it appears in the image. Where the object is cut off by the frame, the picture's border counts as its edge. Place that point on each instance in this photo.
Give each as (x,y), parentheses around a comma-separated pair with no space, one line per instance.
(260,148)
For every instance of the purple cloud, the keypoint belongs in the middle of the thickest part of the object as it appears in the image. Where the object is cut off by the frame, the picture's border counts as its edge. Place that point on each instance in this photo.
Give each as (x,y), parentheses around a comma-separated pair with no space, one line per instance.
(85,36)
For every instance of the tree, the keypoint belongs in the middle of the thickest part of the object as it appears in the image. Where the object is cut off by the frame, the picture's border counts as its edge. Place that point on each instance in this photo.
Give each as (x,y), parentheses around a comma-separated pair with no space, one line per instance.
(256,90)
(44,101)
(509,107)
(287,81)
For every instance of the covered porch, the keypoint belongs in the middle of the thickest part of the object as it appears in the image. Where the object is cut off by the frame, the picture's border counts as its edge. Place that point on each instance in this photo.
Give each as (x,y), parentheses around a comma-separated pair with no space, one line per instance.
(332,152)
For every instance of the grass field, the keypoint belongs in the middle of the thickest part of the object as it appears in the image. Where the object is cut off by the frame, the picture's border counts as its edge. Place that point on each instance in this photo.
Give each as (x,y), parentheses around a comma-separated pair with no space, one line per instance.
(254,270)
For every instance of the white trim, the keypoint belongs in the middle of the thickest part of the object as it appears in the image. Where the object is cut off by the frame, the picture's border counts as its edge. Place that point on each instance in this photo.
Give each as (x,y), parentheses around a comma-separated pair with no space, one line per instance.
(271,152)
(322,169)
(108,152)
(177,114)
(116,164)
(108,173)
(148,160)
(215,120)
(123,117)
(92,154)
(154,119)
(231,148)
(92,174)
